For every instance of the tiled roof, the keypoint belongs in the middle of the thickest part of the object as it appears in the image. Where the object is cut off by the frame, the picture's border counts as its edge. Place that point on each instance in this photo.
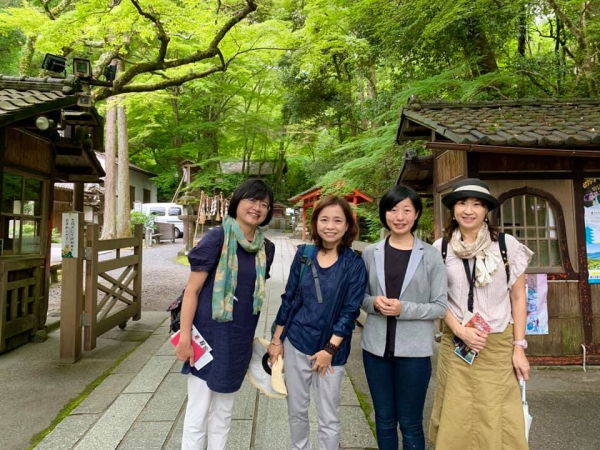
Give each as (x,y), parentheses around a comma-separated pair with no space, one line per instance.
(22,97)
(571,123)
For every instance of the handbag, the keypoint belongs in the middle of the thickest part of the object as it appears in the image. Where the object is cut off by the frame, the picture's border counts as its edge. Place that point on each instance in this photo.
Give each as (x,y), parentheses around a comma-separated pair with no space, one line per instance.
(175,306)
(175,310)
(527,416)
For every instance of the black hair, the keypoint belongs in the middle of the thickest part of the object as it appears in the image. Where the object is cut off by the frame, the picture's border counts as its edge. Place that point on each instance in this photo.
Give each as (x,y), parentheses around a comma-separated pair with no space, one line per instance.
(351,232)
(393,196)
(252,188)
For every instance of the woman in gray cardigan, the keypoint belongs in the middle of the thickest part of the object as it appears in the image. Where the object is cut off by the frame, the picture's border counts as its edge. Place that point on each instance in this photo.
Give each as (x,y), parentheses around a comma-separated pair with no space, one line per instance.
(406,292)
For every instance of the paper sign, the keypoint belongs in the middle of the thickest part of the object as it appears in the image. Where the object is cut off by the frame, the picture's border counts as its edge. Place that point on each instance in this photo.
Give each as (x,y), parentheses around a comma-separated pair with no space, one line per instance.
(70,235)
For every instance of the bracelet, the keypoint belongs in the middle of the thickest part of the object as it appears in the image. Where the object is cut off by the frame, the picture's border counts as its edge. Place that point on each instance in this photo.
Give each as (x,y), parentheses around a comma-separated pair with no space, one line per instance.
(332,349)
(275,343)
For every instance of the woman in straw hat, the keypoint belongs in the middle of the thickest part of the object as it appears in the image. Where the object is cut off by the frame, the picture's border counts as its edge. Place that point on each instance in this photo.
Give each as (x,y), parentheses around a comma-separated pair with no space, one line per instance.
(314,327)
(405,294)
(478,405)
(222,299)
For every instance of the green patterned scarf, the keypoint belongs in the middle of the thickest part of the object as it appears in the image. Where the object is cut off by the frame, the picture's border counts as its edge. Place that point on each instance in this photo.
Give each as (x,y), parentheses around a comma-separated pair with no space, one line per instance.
(227,270)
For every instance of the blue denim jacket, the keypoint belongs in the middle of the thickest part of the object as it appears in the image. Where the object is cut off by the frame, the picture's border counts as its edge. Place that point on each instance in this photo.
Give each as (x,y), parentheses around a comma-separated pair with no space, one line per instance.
(343,287)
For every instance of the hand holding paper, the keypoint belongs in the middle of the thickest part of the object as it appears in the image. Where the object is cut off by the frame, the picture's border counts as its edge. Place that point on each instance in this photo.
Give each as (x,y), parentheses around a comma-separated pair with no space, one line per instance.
(477,329)
(202,355)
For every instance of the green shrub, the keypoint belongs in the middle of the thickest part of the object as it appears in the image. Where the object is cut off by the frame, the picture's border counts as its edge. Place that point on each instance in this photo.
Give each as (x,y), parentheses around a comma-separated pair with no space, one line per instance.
(55,236)
(139,217)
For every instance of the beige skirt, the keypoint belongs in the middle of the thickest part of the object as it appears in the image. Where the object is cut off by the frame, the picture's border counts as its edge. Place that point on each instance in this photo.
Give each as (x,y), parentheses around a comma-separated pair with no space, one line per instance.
(478,407)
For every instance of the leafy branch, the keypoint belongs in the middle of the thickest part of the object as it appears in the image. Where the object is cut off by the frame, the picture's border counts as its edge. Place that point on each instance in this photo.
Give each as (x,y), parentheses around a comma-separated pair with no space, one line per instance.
(123,84)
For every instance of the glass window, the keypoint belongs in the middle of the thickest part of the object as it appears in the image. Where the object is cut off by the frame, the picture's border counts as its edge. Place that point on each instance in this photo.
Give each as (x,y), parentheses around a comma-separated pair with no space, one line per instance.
(157,211)
(175,211)
(532,220)
(21,222)
(11,193)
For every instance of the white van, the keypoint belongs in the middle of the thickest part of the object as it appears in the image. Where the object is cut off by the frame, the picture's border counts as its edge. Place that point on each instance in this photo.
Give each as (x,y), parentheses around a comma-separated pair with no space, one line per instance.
(165,213)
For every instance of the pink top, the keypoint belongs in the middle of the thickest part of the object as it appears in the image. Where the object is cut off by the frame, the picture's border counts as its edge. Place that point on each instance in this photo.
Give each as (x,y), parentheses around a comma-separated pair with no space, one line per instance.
(492,300)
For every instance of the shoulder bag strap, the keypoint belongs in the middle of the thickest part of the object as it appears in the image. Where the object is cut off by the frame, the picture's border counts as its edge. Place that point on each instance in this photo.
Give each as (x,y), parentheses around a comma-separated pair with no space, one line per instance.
(444,250)
(503,252)
(308,262)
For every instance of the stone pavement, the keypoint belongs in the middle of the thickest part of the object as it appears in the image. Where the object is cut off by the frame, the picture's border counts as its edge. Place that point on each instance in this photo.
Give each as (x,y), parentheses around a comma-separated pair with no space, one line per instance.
(141,404)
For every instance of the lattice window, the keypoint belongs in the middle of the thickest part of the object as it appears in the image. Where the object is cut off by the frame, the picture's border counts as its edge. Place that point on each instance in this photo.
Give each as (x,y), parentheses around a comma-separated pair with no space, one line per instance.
(532,220)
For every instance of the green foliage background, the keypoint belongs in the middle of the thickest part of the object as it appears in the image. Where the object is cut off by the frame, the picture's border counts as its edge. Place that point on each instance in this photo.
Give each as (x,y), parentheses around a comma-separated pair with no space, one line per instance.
(312,85)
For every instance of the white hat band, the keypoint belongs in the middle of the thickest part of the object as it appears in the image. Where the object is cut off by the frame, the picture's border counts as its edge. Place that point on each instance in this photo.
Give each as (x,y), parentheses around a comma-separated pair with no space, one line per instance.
(473,187)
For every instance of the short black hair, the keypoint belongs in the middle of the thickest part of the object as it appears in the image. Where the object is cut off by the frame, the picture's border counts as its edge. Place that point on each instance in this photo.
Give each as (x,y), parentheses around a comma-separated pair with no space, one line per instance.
(252,188)
(393,196)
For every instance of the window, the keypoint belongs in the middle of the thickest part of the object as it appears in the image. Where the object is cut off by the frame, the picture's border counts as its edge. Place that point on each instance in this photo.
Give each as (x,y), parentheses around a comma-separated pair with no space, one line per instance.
(174,211)
(21,214)
(157,211)
(532,220)
(147,196)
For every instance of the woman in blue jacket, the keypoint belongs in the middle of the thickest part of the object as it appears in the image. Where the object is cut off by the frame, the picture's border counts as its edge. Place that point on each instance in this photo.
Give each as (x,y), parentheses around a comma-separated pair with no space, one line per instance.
(406,292)
(315,322)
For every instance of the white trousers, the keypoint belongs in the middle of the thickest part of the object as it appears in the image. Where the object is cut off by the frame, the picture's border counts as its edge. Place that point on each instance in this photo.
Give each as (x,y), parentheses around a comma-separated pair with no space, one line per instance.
(207,412)
(298,379)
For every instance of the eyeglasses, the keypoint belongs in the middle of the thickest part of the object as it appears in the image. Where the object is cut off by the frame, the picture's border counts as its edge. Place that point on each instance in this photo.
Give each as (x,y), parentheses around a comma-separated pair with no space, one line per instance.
(261,204)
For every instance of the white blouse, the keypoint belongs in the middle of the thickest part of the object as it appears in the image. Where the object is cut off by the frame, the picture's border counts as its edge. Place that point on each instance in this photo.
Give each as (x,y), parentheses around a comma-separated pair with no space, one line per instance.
(492,301)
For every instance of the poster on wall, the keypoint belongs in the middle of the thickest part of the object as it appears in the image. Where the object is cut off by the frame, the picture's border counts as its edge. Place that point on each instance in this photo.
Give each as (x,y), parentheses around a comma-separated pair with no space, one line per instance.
(591,203)
(537,303)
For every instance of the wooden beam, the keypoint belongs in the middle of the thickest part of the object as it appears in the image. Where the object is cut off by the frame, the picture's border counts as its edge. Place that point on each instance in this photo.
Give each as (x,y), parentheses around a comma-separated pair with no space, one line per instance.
(542,151)
(585,294)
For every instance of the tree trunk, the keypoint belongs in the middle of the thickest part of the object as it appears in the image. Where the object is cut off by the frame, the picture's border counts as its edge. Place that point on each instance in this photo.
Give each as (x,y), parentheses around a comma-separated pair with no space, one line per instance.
(372,88)
(25,62)
(361,100)
(123,199)
(110,128)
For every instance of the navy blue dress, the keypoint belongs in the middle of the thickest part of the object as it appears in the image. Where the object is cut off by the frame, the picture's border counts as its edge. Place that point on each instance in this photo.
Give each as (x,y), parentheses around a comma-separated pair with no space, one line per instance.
(231,342)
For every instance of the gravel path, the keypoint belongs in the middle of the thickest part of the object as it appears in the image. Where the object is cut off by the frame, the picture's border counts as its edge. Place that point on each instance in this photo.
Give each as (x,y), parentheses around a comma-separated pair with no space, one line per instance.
(163,279)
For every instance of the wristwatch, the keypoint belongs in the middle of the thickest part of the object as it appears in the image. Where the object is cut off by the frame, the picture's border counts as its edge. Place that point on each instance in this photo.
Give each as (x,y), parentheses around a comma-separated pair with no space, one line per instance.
(522,343)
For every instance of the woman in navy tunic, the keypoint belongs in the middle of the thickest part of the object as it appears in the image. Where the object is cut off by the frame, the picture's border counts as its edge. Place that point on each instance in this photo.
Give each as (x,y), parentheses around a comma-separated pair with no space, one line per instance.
(222,299)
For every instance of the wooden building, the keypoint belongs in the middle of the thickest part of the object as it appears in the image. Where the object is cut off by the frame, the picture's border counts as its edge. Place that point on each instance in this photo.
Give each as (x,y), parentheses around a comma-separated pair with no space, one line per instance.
(311,196)
(44,137)
(536,156)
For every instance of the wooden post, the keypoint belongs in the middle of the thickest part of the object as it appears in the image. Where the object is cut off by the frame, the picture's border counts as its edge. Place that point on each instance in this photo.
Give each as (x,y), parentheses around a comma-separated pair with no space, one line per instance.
(137,283)
(71,303)
(304,221)
(91,287)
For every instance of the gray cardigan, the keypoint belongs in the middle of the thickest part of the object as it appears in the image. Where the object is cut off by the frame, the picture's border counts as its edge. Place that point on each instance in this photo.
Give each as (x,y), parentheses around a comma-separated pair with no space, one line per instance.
(423,298)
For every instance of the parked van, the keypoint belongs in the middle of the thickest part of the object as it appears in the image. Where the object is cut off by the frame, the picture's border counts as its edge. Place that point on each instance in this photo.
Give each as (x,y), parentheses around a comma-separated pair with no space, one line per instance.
(165,213)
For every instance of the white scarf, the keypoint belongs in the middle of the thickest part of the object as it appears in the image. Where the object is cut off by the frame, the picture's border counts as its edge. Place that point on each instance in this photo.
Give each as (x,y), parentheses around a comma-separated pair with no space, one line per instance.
(486,263)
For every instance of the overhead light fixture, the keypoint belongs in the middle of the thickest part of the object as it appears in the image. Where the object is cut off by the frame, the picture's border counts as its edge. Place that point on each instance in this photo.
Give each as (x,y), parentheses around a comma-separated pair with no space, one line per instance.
(82,68)
(110,72)
(54,63)
(42,123)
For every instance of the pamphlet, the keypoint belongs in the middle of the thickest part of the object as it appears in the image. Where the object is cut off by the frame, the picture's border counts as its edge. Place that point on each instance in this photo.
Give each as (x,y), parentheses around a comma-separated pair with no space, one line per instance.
(202,351)
(473,321)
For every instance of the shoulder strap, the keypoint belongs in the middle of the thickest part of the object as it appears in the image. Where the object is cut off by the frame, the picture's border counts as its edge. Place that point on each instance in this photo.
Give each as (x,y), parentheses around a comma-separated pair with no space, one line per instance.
(503,252)
(307,261)
(444,249)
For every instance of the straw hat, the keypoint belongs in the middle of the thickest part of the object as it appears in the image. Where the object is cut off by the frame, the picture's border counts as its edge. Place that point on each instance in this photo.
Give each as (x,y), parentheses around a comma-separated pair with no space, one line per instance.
(268,379)
(470,188)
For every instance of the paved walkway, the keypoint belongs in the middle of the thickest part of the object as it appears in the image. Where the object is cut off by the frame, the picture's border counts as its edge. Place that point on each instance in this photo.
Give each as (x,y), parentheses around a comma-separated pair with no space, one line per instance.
(141,404)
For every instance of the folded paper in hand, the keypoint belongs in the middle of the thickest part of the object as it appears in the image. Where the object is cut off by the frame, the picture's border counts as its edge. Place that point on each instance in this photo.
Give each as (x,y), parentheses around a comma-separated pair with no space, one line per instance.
(202,355)
(473,321)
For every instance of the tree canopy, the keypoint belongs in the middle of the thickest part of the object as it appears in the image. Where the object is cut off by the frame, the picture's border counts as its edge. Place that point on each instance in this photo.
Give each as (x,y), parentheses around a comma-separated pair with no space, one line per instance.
(313,83)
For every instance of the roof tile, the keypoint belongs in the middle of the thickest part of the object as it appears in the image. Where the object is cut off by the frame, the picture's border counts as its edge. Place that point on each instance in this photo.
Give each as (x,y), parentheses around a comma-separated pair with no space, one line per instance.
(533,122)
